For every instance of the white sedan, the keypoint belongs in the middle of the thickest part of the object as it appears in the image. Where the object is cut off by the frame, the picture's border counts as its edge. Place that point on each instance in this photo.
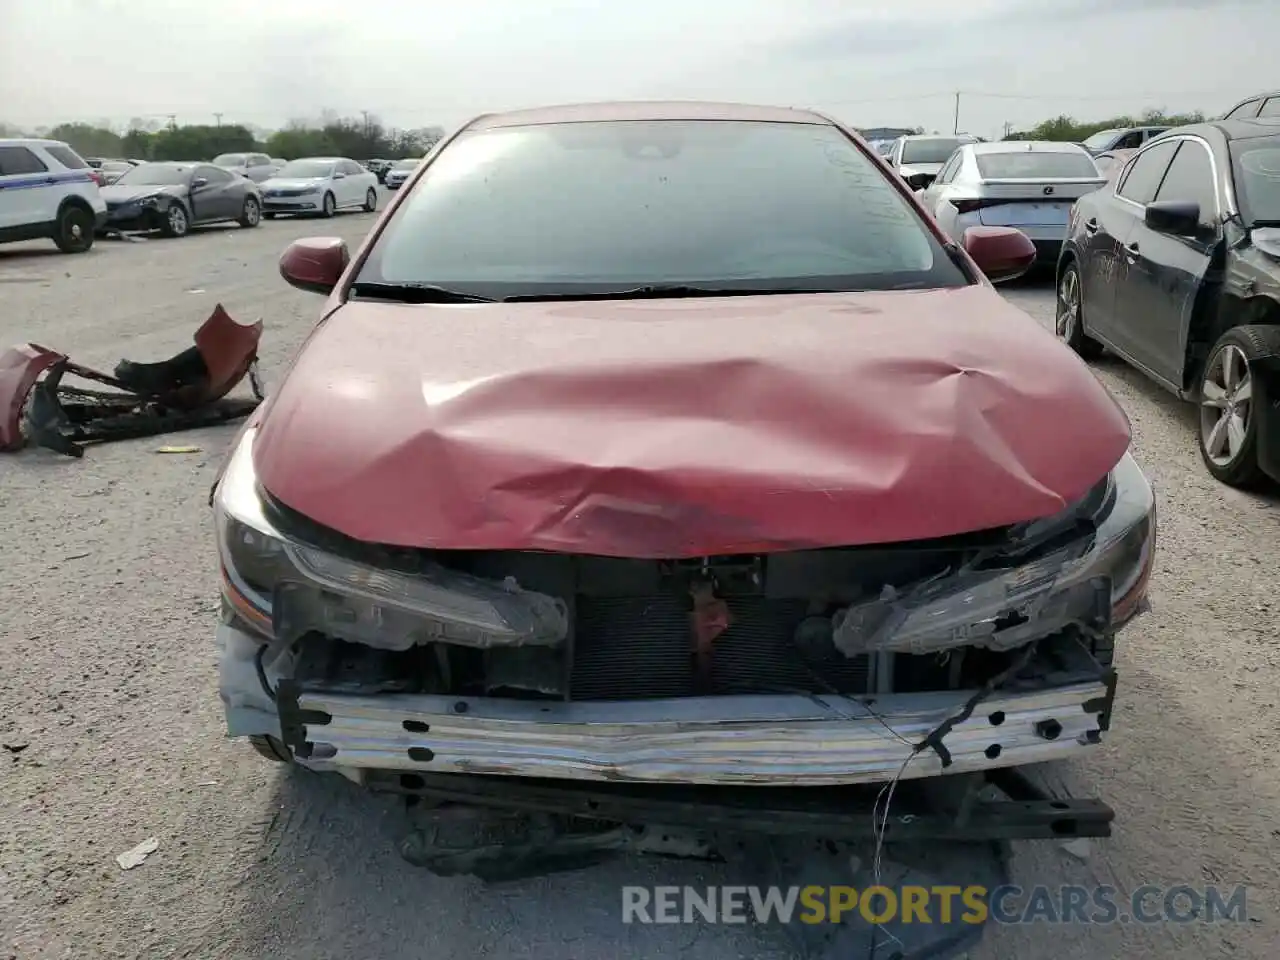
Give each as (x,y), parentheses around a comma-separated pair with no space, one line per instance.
(1027,184)
(319,185)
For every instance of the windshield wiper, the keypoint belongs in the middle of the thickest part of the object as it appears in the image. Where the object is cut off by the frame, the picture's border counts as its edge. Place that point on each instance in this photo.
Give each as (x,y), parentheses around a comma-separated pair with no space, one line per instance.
(659,292)
(414,293)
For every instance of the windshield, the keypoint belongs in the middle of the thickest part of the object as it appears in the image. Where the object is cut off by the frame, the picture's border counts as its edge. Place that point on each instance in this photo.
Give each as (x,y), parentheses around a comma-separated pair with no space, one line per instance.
(597,207)
(1101,139)
(229,160)
(155,174)
(305,169)
(930,149)
(405,164)
(1036,165)
(1257,175)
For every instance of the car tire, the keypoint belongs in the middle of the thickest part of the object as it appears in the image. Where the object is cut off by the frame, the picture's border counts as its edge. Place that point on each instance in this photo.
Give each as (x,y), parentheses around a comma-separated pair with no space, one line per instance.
(271,748)
(1231,402)
(73,231)
(330,206)
(176,221)
(1068,322)
(268,216)
(251,216)
(371,201)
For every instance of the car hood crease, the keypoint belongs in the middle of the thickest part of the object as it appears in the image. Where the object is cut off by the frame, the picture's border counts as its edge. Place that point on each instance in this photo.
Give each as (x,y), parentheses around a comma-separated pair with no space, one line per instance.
(685,428)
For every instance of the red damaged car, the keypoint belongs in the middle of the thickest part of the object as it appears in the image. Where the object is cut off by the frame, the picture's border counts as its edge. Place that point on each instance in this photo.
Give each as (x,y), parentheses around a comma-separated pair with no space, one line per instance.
(673,444)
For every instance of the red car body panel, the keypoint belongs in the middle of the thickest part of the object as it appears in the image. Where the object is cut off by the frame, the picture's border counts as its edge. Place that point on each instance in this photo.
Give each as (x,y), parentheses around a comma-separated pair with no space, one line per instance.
(682,428)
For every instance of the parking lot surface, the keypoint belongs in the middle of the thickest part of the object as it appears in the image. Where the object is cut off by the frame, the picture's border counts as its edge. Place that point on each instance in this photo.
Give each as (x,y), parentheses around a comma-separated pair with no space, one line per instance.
(112,728)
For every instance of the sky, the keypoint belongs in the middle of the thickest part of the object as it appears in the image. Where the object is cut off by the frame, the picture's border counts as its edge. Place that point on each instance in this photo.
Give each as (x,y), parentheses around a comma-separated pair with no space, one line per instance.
(868,62)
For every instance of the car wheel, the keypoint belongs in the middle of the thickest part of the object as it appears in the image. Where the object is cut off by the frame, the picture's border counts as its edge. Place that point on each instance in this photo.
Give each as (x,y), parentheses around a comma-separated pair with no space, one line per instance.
(73,232)
(251,214)
(371,201)
(1069,318)
(330,205)
(271,748)
(176,222)
(1231,404)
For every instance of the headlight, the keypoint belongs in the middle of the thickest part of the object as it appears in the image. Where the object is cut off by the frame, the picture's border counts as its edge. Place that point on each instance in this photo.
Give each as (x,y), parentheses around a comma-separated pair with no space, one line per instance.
(283,587)
(1004,608)
(147,201)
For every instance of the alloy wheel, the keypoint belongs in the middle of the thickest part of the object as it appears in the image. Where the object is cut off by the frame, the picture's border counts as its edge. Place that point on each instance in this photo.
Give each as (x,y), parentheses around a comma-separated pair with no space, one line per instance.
(1226,405)
(1068,317)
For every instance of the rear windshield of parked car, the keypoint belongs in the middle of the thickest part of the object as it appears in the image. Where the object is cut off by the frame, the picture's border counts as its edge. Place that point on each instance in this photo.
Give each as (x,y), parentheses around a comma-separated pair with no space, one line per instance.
(1257,175)
(155,175)
(930,149)
(229,160)
(406,164)
(306,169)
(1036,165)
(604,206)
(1101,139)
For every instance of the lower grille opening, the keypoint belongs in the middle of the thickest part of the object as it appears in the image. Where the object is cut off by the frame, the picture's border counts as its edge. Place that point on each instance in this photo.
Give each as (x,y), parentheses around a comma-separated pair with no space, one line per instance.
(636,648)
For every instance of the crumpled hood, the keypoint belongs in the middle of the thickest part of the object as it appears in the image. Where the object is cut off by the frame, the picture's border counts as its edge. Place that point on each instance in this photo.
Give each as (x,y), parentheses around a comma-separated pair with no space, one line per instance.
(679,428)
(129,193)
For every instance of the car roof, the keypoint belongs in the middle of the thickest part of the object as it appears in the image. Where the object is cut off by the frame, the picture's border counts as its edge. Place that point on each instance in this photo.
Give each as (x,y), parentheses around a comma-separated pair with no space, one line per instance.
(646,110)
(1226,129)
(1027,146)
(30,142)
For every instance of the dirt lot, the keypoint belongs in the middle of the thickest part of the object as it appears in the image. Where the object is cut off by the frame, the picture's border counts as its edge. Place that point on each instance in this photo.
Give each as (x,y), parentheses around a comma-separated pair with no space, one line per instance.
(108,688)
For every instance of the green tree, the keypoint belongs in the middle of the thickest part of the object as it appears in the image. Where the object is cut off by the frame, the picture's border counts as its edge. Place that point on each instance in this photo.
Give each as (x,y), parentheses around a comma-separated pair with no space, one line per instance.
(1065,128)
(87,139)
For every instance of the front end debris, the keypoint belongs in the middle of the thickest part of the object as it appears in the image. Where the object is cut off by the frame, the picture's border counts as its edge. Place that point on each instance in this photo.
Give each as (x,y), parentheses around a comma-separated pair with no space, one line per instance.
(186,391)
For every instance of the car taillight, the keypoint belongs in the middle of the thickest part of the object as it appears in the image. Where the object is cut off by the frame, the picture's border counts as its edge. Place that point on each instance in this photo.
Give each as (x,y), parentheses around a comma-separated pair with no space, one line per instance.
(966,205)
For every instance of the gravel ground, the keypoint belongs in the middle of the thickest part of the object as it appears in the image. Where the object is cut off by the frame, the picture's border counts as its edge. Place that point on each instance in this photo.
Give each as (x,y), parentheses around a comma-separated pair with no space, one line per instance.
(108,688)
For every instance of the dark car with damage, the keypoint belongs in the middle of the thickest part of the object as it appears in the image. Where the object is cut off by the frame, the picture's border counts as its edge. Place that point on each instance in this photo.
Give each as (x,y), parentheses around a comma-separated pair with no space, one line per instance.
(605,477)
(174,197)
(1175,268)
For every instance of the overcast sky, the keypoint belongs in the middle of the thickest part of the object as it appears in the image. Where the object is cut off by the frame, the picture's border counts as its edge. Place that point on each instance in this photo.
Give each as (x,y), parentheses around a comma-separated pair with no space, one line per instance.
(420,62)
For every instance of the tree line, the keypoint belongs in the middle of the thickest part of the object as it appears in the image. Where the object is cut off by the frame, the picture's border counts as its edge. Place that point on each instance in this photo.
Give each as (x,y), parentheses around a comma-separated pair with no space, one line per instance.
(1065,128)
(361,139)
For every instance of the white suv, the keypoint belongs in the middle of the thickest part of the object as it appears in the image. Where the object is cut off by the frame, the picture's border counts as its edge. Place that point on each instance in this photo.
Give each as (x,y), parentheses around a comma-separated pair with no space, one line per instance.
(47,190)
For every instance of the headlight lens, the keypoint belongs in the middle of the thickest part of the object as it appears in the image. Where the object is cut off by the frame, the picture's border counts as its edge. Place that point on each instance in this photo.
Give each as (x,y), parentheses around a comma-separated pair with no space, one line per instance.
(1002,609)
(283,587)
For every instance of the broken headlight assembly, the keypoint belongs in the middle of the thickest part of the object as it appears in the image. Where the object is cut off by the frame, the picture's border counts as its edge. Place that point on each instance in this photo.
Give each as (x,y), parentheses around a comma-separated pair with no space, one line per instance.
(283,587)
(1052,572)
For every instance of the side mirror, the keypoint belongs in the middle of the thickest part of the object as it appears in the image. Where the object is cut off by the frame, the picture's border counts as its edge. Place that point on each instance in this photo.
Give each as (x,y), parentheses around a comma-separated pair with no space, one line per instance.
(1002,253)
(1181,218)
(199,182)
(338,175)
(314,264)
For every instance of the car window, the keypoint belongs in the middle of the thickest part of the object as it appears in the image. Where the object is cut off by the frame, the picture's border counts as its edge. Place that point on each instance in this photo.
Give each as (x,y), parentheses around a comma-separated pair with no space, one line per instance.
(16,160)
(1130,141)
(929,149)
(351,168)
(1270,108)
(1102,140)
(67,157)
(1036,165)
(258,160)
(613,205)
(1143,177)
(156,175)
(1190,177)
(948,173)
(1246,111)
(306,170)
(214,175)
(1256,169)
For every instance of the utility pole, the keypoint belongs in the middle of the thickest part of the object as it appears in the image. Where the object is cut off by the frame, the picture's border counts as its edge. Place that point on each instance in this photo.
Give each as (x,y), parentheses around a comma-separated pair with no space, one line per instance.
(957,113)
(1008,129)
(365,113)
(173,121)
(217,117)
